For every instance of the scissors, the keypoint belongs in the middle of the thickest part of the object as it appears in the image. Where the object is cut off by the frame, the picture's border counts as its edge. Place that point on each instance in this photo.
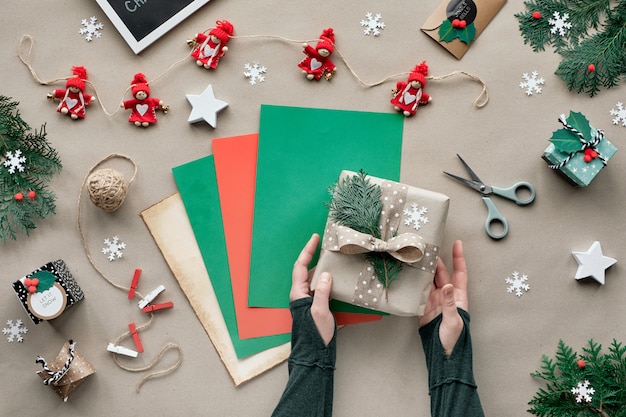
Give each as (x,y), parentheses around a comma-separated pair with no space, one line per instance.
(493,215)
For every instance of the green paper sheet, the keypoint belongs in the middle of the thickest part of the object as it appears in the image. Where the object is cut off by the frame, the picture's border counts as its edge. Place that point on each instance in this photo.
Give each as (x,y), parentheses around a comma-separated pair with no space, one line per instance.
(301,153)
(197,185)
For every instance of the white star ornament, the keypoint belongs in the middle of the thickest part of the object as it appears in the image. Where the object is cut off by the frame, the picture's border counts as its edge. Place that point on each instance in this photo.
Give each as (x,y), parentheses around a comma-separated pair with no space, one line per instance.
(205,107)
(592,263)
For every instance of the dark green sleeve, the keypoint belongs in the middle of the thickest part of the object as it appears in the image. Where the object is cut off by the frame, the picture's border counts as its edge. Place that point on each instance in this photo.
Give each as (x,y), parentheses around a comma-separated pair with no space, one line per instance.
(309,390)
(451,383)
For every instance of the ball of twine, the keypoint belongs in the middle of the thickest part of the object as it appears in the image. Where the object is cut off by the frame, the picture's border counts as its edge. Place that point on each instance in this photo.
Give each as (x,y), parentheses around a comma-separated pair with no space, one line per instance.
(107,189)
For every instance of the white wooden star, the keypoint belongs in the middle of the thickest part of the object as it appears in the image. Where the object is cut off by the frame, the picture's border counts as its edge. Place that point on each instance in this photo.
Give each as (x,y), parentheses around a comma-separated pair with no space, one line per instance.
(205,106)
(592,263)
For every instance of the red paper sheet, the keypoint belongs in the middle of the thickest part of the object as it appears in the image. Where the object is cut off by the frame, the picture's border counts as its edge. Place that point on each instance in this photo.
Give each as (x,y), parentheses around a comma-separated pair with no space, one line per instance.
(235,167)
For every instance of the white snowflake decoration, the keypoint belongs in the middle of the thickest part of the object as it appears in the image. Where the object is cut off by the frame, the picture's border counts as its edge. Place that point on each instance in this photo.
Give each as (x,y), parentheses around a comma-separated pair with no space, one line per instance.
(583,391)
(517,284)
(113,248)
(416,216)
(15,161)
(14,331)
(254,73)
(620,114)
(559,23)
(372,24)
(531,83)
(91,28)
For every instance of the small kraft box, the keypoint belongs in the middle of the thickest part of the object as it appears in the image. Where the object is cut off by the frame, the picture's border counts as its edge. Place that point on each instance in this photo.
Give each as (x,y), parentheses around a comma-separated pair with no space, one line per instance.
(578,151)
(389,265)
(48,291)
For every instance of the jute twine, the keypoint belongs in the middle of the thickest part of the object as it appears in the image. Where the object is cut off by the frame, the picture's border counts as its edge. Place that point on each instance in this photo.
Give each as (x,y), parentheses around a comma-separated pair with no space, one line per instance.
(111,190)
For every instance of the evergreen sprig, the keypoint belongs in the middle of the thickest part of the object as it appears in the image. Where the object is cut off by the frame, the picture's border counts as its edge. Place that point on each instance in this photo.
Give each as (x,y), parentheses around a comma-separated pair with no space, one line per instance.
(42,162)
(357,204)
(597,37)
(606,374)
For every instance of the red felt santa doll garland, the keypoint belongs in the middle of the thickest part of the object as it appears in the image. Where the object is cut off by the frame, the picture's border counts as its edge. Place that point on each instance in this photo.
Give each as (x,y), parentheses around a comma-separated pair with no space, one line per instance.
(210,46)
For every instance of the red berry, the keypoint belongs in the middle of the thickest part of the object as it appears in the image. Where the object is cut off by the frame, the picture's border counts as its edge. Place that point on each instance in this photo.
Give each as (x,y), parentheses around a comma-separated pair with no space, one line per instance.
(536,15)
(581,364)
(593,154)
(28,282)
(462,24)
(18,196)
(34,281)
(456,23)
(591,68)
(32,194)
(587,158)
(32,289)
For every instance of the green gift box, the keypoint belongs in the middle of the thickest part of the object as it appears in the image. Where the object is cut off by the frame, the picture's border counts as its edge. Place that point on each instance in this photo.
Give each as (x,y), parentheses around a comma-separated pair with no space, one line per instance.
(578,151)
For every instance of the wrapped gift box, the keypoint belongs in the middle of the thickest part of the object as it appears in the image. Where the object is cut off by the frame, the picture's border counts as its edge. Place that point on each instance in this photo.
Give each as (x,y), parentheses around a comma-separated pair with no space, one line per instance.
(412,225)
(48,291)
(66,372)
(571,162)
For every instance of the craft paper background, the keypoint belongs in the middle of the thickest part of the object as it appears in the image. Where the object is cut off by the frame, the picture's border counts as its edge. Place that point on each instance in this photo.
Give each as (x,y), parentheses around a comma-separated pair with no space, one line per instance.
(197,185)
(301,153)
(235,168)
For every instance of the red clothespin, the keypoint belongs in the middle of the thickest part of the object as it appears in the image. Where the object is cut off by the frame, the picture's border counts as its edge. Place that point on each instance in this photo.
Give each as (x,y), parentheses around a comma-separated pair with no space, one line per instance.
(133,284)
(135,335)
(155,307)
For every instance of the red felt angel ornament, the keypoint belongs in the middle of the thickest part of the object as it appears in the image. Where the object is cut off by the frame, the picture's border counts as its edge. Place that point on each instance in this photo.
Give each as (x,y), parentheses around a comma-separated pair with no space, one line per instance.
(73,100)
(209,48)
(142,107)
(317,62)
(407,96)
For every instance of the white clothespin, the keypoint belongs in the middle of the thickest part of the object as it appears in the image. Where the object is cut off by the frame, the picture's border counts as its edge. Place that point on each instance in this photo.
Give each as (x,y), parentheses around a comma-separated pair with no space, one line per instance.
(151,296)
(121,350)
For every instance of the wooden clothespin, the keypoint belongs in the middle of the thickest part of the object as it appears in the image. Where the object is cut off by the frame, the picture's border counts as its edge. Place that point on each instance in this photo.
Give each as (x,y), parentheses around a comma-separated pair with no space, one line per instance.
(133,284)
(151,296)
(135,335)
(155,307)
(121,350)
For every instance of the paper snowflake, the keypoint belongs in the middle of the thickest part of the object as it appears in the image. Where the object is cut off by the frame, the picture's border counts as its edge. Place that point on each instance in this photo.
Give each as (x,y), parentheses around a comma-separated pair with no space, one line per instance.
(620,114)
(517,284)
(113,248)
(255,73)
(559,23)
(372,24)
(415,216)
(531,83)
(583,392)
(14,331)
(91,28)
(15,161)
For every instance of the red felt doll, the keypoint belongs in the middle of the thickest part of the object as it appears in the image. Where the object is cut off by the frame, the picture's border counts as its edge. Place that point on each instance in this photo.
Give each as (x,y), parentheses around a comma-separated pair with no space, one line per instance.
(143,107)
(73,100)
(210,48)
(407,96)
(317,62)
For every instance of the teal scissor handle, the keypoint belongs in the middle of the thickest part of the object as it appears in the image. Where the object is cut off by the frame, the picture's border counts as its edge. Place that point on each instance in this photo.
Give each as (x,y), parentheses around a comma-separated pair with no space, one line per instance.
(512,192)
(493,217)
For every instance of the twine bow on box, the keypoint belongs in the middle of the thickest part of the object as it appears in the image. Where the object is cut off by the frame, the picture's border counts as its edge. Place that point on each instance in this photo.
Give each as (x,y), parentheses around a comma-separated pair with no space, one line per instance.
(588,147)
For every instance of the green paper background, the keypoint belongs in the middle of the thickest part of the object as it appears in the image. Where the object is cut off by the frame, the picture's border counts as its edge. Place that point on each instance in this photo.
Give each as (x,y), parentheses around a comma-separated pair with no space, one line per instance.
(197,184)
(301,153)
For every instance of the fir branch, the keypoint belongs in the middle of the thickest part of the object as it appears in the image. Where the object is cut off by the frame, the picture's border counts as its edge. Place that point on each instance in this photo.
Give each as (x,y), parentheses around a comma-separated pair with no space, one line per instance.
(357,204)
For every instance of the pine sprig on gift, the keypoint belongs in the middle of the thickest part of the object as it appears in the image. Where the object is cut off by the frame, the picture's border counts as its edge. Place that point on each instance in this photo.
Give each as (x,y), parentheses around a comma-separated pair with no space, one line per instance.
(589,34)
(602,376)
(27,163)
(356,203)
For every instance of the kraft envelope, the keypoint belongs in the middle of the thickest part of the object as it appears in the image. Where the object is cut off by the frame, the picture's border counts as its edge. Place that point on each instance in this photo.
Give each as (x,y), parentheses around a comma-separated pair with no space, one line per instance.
(301,153)
(486,11)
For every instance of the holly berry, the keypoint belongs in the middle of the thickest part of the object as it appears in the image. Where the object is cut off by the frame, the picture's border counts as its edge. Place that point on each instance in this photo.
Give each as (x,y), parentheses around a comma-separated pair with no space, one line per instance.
(462,24)
(456,23)
(32,194)
(591,68)
(536,15)
(18,196)
(581,364)
(31,284)
(590,154)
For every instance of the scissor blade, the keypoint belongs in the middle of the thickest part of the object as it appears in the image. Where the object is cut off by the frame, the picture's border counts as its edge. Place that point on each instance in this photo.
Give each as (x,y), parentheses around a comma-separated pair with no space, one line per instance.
(472,184)
(469,170)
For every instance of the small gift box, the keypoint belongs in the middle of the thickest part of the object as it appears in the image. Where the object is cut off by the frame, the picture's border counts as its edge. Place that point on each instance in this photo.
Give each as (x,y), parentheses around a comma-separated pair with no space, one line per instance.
(578,151)
(48,291)
(388,265)
(66,372)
